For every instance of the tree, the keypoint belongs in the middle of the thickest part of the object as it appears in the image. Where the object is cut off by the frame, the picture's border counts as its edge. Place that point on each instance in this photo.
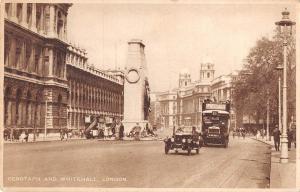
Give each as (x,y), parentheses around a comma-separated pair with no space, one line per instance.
(258,81)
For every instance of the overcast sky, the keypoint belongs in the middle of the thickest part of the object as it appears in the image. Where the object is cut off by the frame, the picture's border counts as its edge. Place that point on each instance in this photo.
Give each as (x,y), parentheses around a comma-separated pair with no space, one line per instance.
(176,35)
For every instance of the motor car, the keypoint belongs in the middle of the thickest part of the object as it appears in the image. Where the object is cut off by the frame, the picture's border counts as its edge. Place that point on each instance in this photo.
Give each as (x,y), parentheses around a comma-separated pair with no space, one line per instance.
(184,139)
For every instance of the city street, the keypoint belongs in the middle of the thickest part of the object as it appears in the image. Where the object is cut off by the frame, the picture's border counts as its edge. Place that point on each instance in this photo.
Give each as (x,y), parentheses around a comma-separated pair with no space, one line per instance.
(92,163)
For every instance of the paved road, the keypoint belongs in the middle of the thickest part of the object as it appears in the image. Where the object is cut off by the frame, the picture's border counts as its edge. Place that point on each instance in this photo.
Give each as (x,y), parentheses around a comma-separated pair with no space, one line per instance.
(245,164)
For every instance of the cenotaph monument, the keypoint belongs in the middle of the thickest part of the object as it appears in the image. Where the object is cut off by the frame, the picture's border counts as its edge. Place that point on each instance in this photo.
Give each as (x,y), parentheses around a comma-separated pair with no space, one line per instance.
(136,87)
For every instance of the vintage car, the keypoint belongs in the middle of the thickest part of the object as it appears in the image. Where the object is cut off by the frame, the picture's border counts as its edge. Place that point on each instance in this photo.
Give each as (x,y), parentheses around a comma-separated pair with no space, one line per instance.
(184,139)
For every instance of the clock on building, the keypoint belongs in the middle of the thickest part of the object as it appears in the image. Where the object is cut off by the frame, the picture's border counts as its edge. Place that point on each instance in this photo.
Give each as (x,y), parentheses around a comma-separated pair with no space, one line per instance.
(133,75)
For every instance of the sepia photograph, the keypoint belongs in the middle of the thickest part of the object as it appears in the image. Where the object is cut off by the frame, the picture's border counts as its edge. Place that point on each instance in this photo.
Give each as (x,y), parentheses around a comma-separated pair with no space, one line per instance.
(149,95)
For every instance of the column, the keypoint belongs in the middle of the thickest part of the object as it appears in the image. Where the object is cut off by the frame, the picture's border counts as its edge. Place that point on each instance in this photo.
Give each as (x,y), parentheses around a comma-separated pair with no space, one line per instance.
(12,53)
(228,94)
(222,94)
(51,21)
(13,112)
(41,24)
(24,115)
(14,12)
(33,17)
(29,120)
(9,112)
(65,29)
(24,15)
(50,54)
(40,60)
(20,109)
(38,114)
(32,63)
(6,13)
(65,66)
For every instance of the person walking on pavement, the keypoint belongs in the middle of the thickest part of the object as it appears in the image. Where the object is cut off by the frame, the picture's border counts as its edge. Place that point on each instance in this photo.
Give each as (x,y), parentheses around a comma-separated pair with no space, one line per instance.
(276,135)
(121,131)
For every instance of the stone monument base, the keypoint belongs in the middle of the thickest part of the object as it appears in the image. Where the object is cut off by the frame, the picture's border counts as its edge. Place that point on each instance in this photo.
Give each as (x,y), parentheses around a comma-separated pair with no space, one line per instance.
(128,125)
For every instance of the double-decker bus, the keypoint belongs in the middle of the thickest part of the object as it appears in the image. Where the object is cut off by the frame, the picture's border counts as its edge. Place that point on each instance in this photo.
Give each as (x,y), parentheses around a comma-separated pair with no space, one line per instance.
(215,122)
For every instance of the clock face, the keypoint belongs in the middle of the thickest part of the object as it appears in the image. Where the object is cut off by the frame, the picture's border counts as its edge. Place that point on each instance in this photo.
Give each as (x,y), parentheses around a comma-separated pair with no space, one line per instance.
(133,76)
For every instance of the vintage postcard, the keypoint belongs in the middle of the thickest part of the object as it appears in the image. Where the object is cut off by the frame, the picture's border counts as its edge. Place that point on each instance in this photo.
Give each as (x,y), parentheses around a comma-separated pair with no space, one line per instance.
(163,95)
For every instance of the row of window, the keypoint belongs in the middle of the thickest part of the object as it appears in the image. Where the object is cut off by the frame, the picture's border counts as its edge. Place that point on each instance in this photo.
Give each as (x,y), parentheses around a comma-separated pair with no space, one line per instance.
(38,16)
(95,97)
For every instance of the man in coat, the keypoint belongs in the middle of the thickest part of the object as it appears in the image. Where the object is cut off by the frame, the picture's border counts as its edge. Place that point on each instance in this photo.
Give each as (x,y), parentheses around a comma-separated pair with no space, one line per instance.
(276,135)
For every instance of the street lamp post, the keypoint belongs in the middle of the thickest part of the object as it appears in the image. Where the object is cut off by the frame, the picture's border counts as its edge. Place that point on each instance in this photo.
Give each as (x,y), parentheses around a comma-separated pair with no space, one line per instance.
(279,68)
(268,115)
(285,23)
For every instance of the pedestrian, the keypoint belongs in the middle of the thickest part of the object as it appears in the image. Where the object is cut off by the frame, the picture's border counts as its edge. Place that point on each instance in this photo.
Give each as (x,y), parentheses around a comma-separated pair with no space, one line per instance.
(106,132)
(276,136)
(37,133)
(290,138)
(294,137)
(26,136)
(61,132)
(121,132)
(117,129)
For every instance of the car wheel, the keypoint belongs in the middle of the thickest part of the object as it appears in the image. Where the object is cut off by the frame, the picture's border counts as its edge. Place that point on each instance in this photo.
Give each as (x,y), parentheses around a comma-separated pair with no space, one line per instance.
(166,150)
(197,151)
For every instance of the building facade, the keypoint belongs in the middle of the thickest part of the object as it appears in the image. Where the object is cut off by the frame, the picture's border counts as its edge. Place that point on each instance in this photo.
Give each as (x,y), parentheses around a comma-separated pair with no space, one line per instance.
(91,91)
(35,83)
(183,105)
(222,90)
(47,82)
(168,108)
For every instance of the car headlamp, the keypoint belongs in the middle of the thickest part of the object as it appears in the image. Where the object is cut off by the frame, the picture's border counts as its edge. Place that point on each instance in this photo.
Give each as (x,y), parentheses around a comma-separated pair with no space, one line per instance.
(183,140)
(172,139)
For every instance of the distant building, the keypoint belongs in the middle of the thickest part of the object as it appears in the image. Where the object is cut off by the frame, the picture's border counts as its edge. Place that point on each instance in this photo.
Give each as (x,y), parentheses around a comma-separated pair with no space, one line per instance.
(182,106)
(168,108)
(191,95)
(222,90)
(155,112)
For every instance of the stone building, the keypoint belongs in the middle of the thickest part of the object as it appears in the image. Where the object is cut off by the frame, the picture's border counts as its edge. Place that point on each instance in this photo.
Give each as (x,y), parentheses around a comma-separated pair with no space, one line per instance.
(91,91)
(191,95)
(168,108)
(47,82)
(182,106)
(222,90)
(35,80)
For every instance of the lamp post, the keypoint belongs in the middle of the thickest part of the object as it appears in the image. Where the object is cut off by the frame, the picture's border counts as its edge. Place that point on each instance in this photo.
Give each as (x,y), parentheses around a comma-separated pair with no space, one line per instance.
(284,24)
(268,115)
(279,68)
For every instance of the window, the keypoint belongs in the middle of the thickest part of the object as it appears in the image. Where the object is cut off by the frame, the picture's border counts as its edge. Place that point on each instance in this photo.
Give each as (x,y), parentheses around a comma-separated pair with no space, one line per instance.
(19,12)
(7,9)
(208,75)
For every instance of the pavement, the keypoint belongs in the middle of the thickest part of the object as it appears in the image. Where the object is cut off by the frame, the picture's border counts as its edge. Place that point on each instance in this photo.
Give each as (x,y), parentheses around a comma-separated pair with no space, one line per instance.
(90,163)
(56,137)
(281,175)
